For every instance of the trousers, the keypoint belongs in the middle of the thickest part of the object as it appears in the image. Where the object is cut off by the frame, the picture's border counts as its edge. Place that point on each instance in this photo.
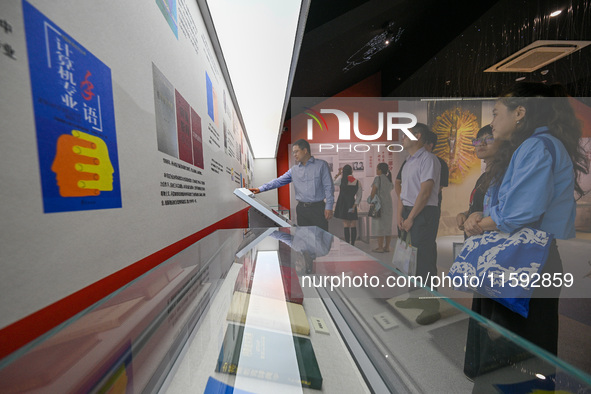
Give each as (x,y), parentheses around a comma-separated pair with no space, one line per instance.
(312,214)
(423,234)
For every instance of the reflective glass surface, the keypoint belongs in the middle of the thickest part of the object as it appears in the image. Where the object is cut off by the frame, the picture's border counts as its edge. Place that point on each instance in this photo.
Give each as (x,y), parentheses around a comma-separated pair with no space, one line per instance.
(281,310)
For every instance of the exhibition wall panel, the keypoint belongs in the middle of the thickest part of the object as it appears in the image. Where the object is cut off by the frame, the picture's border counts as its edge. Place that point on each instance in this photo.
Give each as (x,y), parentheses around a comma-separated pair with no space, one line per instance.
(121,138)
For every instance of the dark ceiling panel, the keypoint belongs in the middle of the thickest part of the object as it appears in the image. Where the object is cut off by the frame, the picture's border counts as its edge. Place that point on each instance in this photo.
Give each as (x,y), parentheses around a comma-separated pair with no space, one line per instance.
(442,47)
(348,46)
(458,70)
(326,50)
(325,10)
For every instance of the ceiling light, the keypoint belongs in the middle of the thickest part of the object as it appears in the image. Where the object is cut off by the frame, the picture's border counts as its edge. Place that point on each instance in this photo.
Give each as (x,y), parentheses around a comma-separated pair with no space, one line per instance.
(442,99)
(375,45)
(478,98)
(556,13)
(540,376)
(263,24)
(519,79)
(459,99)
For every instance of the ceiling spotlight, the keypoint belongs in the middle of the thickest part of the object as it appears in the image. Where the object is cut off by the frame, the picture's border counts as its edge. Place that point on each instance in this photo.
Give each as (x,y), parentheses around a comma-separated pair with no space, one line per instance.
(519,79)
(540,376)
(544,72)
(389,35)
(555,13)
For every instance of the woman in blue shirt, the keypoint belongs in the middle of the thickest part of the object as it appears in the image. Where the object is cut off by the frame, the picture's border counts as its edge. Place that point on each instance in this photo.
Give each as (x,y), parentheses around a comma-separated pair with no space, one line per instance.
(535,186)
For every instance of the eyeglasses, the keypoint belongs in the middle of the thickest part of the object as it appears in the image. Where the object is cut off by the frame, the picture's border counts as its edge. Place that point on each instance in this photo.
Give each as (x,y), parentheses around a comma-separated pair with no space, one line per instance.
(483,141)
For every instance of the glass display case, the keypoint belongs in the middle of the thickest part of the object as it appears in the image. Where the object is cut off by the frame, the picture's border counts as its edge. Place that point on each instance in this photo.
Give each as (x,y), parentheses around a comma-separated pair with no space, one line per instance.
(281,210)
(279,310)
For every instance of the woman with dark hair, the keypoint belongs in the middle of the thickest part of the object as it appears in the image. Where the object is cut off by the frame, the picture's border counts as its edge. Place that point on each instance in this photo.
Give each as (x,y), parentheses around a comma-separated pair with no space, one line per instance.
(348,201)
(485,148)
(382,226)
(532,183)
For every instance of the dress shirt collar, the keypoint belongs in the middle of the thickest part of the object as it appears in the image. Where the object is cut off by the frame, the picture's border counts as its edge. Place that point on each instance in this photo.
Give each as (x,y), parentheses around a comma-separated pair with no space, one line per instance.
(310,160)
(417,154)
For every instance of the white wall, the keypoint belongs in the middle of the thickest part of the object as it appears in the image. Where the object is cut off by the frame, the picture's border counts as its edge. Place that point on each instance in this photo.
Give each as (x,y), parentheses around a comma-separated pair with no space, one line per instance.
(266,170)
(47,256)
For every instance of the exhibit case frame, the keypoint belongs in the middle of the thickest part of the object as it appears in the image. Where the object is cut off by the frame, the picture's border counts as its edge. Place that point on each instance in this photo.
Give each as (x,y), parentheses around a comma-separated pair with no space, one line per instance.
(279,310)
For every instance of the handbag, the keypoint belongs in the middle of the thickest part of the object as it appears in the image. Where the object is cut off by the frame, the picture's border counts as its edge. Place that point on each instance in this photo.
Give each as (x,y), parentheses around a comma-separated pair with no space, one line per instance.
(405,255)
(375,205)
(505,267)
(373,211)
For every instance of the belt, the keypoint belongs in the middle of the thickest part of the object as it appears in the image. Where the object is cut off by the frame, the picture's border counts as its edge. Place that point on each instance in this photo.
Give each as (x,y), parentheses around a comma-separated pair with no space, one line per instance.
(310,204)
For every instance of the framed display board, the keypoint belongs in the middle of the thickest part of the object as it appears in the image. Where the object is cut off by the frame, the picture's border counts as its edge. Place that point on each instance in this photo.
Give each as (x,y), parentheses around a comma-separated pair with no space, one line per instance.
(250,198)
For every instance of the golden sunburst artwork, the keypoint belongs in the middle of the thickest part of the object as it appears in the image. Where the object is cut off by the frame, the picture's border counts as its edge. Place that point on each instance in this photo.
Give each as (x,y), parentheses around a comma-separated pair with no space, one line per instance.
(455,129)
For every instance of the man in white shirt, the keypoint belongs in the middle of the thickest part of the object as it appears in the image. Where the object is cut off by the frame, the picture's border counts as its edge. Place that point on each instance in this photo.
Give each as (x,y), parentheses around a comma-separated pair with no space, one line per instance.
(418,214)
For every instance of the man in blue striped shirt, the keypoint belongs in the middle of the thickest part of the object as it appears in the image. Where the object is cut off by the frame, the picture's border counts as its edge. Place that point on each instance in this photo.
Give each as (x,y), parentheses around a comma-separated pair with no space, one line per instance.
(314,188)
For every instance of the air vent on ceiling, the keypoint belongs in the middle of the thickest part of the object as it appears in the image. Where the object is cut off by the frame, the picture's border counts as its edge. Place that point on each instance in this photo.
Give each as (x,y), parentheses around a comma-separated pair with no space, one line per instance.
(537,55)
